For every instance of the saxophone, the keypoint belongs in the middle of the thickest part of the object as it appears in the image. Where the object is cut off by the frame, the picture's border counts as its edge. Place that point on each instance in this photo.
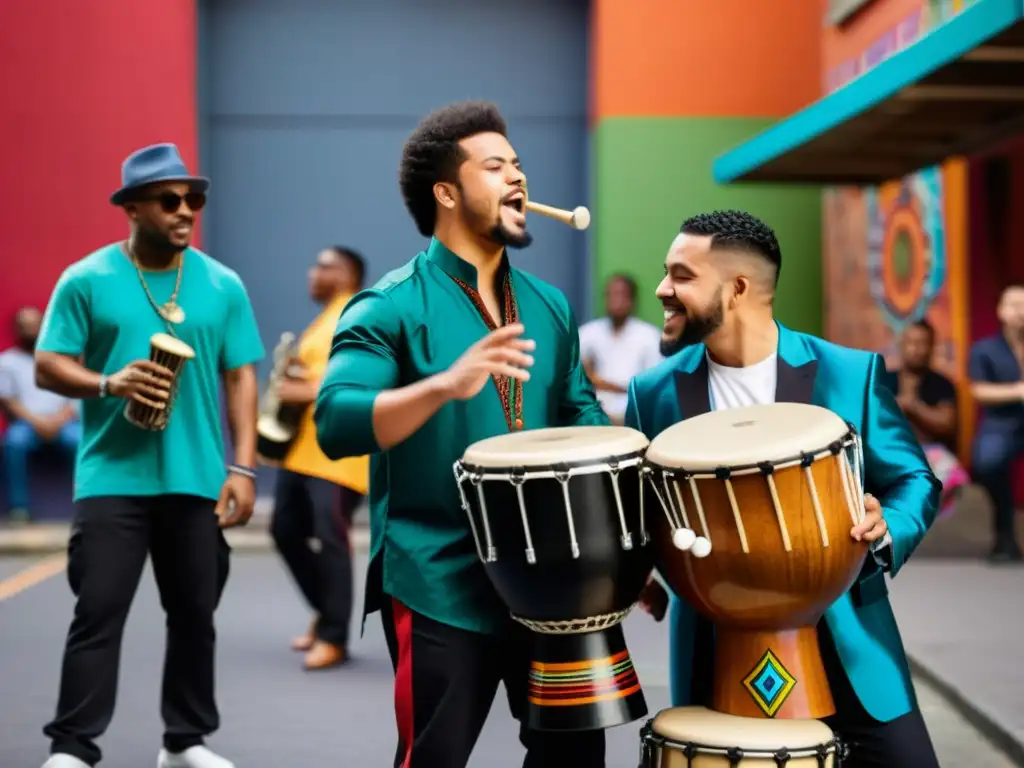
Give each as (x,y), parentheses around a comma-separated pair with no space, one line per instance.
(277,424)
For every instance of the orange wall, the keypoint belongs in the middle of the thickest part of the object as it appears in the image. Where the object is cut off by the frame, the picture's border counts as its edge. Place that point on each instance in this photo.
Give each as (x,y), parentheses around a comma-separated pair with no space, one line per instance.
(696,58)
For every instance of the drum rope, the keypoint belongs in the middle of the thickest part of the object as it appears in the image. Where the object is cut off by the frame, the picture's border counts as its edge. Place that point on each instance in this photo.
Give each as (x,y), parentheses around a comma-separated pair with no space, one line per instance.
(627,538)
(531,555)
(682,507)
(492,551)
(644,539)
(669,511)
(858,454)
(725,475)
(700,508)
(575,626)
(816,502)
(844,472)
(459,477)
(563,478)
(779,514)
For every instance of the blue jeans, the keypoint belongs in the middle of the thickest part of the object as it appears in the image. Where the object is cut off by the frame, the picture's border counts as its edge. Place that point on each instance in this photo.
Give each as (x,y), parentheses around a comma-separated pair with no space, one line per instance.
(19,442)
(995,451)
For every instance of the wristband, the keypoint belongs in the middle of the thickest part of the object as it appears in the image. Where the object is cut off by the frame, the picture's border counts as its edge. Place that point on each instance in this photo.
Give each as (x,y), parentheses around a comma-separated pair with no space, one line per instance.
(238,469)
(103,386)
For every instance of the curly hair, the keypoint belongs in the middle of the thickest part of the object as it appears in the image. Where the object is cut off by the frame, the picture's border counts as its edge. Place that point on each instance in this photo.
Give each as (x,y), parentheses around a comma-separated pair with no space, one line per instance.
(432,154)
(738,230)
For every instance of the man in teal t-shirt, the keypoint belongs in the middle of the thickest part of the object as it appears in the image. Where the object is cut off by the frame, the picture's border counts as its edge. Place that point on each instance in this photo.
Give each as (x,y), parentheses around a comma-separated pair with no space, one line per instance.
(161,492)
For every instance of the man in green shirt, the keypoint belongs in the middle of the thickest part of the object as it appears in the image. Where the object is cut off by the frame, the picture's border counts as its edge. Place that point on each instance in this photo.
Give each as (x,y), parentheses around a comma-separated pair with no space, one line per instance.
(427,362)
(140,492)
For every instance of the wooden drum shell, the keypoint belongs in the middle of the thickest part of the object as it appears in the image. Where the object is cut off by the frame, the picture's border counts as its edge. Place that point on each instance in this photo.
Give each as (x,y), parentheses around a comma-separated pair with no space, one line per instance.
(766,587)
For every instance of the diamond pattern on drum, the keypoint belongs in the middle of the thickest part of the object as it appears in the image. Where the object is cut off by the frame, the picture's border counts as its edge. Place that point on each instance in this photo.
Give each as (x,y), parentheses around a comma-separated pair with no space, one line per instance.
(769,683)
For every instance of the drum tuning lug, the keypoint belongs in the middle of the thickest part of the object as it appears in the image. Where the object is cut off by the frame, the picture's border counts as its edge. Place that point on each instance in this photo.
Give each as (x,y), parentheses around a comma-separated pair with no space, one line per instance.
(531,556)
(492,554)
(644,539)
(627,541)
(575,551)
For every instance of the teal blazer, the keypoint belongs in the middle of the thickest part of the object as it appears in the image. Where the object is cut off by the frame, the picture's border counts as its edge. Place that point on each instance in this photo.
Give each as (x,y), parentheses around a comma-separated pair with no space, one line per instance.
(852,384)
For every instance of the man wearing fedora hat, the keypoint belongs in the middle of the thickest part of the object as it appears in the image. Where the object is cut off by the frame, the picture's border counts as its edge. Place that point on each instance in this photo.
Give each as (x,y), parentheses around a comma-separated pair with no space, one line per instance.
(143,492)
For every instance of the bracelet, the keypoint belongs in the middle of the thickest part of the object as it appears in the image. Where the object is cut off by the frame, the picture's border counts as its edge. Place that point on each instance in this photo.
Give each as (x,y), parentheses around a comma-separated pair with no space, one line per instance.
(238,469)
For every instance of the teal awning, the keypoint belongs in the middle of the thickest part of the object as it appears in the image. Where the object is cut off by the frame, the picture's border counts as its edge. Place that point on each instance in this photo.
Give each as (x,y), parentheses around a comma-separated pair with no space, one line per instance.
(957,89)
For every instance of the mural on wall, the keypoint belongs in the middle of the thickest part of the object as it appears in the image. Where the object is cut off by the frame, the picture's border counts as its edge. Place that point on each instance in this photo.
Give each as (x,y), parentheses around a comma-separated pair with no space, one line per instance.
(886,255)
(886,265)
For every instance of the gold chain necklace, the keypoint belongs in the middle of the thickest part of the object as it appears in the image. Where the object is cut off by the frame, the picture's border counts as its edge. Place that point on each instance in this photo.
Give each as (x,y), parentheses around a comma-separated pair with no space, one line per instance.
(170,310)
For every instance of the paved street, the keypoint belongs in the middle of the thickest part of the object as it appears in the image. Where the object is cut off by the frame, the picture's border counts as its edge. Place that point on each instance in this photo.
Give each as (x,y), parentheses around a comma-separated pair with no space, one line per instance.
(273,713)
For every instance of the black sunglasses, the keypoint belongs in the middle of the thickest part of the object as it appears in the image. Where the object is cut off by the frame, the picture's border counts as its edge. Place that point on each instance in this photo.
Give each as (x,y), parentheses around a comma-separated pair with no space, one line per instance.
(170,202)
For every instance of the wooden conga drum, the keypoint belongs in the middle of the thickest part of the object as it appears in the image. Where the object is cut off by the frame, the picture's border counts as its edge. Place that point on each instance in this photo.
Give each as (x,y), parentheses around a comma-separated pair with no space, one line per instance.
(758,506)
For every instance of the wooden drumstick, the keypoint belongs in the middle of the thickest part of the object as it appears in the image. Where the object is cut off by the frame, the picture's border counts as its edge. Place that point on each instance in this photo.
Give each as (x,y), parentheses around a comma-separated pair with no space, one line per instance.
(577,218)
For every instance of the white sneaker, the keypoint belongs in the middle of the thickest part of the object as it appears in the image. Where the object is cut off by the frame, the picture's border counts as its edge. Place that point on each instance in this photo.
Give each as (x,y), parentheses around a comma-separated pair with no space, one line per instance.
(193,757)
(64,761)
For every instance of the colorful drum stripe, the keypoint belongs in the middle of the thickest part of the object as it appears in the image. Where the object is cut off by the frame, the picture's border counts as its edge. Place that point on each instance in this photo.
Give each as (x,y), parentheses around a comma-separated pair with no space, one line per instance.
(582,682)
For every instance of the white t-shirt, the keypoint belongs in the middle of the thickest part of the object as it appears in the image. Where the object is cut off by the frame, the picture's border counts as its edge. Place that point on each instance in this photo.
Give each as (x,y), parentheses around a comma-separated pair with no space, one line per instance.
(619,355)
(739,387)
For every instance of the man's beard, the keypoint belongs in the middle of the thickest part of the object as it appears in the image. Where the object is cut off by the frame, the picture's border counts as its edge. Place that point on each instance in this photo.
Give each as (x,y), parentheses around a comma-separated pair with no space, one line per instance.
(695,331)
(27,344)
(157,241)
(502,236)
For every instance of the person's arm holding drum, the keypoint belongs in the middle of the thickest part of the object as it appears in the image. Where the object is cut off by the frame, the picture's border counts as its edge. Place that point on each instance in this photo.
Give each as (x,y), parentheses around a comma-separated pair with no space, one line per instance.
(360,409)
(905,490)
(62,341)
(243,348)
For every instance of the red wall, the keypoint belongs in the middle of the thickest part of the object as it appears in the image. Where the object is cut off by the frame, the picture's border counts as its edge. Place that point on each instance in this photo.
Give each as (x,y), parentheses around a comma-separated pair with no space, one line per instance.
(85,83)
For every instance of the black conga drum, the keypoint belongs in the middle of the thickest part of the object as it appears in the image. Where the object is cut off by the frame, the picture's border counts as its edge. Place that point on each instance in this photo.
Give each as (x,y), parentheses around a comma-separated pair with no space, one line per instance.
(558,519)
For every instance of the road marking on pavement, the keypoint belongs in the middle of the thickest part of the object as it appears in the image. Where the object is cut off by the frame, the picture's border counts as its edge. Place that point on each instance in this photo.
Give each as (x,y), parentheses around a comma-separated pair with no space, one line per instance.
(33,575)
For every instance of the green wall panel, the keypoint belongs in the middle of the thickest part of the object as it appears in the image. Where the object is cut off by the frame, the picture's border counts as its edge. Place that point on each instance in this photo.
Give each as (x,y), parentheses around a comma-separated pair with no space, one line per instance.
(653,173)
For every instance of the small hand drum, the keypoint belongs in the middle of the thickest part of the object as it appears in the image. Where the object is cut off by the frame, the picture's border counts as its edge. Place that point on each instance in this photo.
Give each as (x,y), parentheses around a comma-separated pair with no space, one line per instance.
(558,520)
(695,737)
(171,353)
(763,500)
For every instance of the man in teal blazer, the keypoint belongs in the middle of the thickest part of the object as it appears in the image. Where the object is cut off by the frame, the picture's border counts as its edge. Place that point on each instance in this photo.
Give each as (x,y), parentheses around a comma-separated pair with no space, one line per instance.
(724,349)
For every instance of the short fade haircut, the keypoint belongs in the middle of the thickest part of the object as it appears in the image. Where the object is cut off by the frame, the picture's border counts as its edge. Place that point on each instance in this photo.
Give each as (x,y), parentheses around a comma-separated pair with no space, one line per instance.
(432,154)
(738,230)
(355,260)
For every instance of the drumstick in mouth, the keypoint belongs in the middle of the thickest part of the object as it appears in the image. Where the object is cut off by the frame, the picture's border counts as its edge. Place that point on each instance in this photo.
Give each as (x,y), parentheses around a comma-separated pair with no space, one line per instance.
(577,218)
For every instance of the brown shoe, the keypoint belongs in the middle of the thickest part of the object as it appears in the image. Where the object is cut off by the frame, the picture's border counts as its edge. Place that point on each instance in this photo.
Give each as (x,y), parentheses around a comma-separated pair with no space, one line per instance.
(306,641)
(323,656)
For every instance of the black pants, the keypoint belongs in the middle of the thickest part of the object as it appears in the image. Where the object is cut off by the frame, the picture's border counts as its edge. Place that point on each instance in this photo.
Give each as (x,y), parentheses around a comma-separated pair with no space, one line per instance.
(110,539)
(445,682)
(308,507)
(900,743)
(994,454)
(903,742)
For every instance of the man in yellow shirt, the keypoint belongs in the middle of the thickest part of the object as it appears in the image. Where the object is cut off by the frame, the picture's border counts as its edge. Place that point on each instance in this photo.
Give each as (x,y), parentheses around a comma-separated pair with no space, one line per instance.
(316,497)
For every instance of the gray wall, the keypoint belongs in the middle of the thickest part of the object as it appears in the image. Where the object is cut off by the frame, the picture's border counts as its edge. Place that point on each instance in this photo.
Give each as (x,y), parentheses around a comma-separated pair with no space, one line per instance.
(305,104)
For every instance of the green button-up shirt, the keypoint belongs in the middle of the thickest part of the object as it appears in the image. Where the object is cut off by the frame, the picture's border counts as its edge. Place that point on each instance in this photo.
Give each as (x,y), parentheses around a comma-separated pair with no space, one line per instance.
(416,322)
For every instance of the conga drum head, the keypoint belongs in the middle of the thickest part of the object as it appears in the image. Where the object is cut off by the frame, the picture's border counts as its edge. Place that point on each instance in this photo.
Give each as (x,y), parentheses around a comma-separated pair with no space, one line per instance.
(546,448)
(746,437)
(173,347)
(696,737)
(557,516)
